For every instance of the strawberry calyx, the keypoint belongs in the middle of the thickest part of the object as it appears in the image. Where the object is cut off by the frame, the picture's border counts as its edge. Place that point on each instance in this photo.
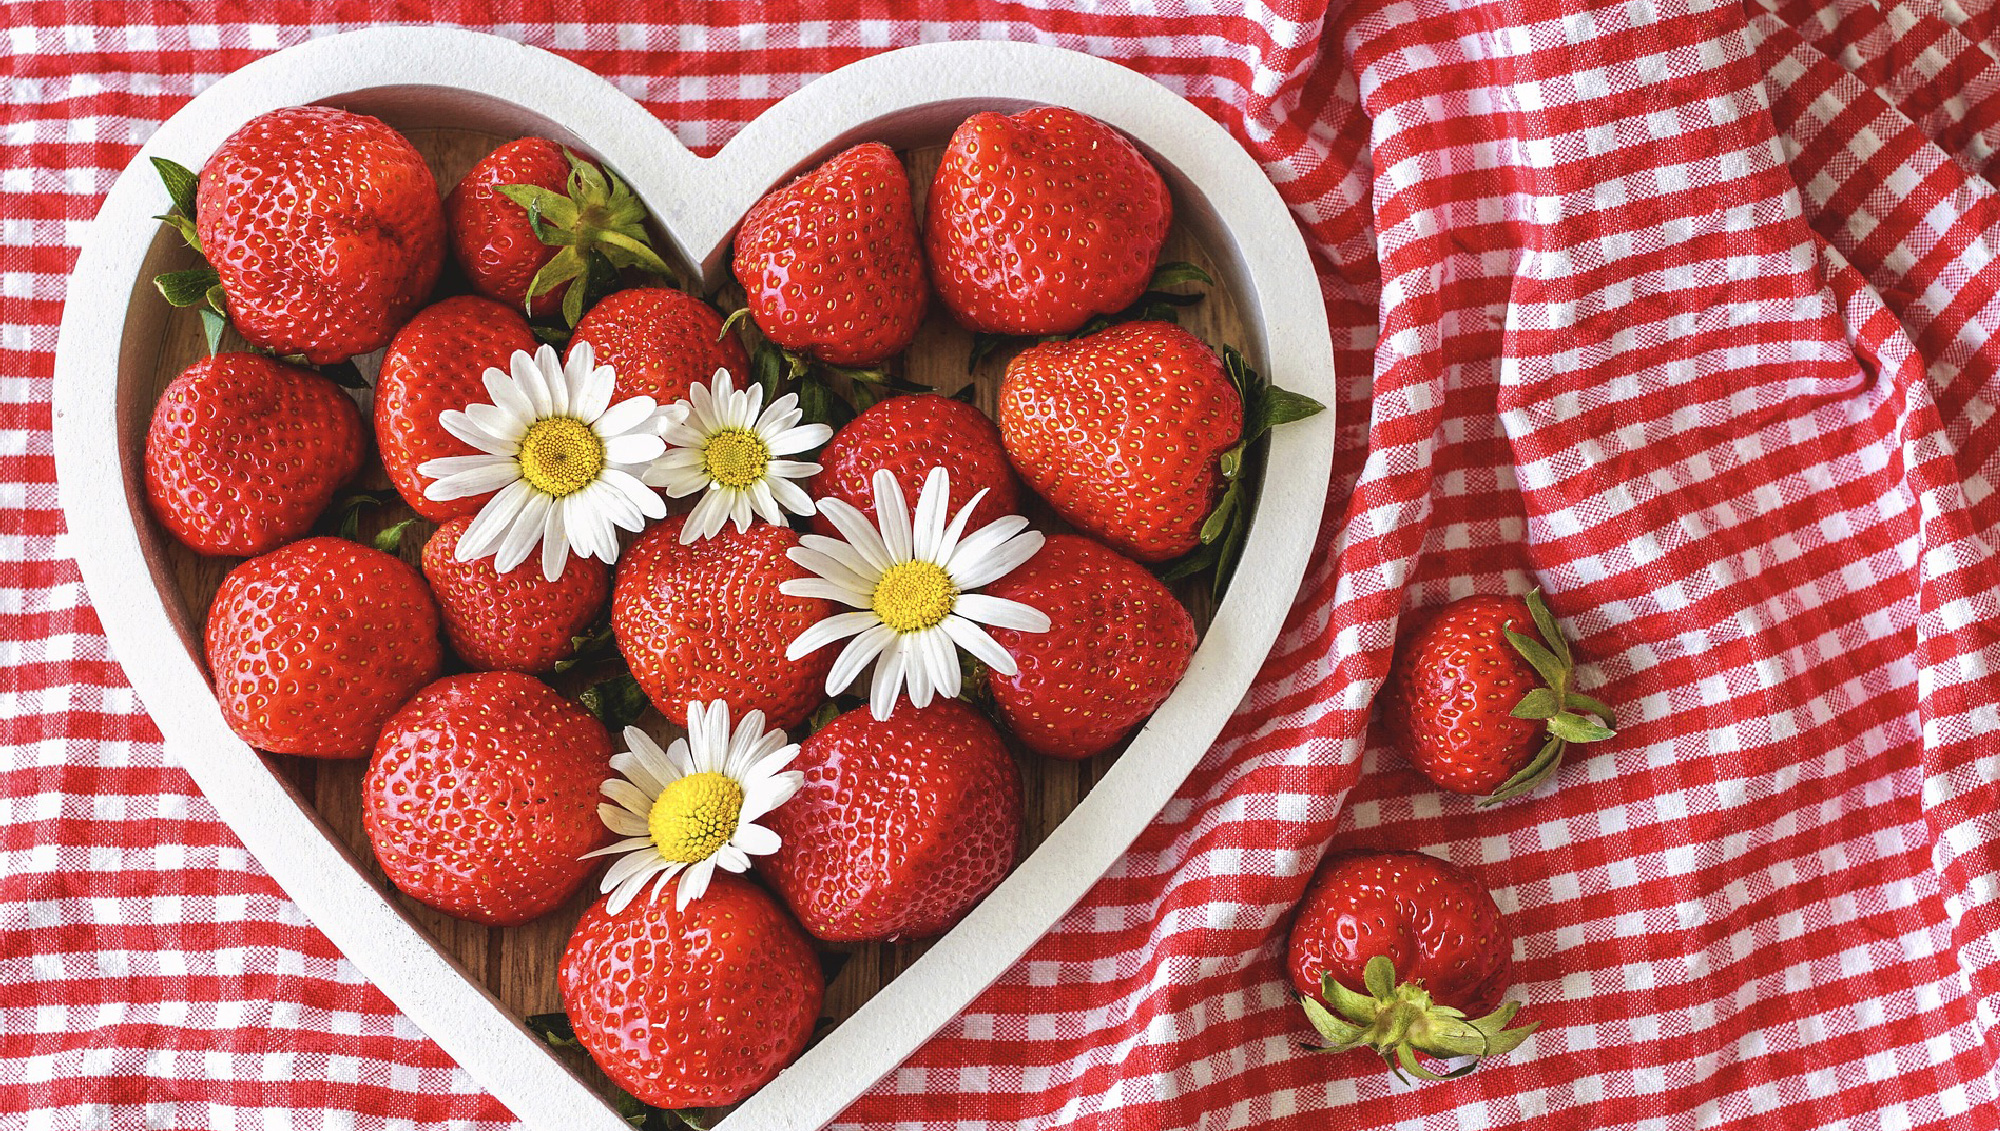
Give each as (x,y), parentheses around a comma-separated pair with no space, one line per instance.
(1157,304)
(196,286)
(1564,708)
(597,221)
(1400,1020)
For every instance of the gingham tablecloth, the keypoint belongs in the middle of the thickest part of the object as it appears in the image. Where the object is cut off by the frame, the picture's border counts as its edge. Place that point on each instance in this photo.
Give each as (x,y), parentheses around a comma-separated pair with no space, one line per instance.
(1682,310)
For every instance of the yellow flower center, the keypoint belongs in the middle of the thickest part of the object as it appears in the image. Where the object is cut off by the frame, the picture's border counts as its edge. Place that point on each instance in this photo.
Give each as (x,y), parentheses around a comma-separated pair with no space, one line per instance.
(736,457)
(913,596)
(695,816)
(560,455)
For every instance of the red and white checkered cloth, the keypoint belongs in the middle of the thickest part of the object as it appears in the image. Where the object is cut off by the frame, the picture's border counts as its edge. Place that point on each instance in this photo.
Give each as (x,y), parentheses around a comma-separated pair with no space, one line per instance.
(1682,309)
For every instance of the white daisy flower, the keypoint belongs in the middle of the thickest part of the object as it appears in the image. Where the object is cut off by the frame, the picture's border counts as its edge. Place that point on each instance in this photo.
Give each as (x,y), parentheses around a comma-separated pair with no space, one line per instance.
(693,807)
(724,446)
(565,460)
(912,586)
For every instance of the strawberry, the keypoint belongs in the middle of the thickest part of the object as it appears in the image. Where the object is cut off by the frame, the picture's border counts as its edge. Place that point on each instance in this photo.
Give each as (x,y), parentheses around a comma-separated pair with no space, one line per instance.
(694,1008)
(482,797)
(314,644)
(1368,918)
(903,823)
(1039,221)
(436,363)
(706,621)
(244,453)
(517,621)
(530,217)
(1118,642)
(1123,433)
(909,436)
(324,228)
(660,342)
(829,263)
(1463,704)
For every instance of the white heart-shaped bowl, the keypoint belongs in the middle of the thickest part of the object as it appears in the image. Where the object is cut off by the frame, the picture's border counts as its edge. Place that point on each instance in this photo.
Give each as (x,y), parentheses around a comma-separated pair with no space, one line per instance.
(112,328)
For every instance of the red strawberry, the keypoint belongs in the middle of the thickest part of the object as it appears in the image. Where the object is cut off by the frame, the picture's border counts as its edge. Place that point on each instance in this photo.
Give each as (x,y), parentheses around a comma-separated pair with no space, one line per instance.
(314,644)
(490,234)
(1123,433)
(482,797)
(436,363)
(325,228)
(517,621)
(1117,644)
(706,621)
(1039,221)
(910,436)
(660,342)
(1464,705)
(244,452)
(694,1008)
(830,264)
(1371,918)
(587,212)
(903,823)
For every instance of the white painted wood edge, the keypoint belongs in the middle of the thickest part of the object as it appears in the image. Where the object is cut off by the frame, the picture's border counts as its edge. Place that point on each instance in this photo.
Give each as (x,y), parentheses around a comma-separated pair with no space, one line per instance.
(903,97)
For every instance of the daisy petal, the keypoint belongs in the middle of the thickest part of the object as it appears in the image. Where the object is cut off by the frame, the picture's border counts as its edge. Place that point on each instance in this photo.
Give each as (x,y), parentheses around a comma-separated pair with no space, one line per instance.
(974,639)
(821,587)
(856,655)
(472,481)
(997,563)
(623,417)
(634,447)
(495,518)
(927,528)
(694,883)
(839,626)
(1001,613)
(858,532)
(804,438)
(889,671)
(629,844)
(892,516)
(522,535)
(756,840)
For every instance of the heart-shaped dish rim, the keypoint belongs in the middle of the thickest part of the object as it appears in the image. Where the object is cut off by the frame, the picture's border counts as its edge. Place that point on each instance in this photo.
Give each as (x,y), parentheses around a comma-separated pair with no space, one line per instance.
(912,96)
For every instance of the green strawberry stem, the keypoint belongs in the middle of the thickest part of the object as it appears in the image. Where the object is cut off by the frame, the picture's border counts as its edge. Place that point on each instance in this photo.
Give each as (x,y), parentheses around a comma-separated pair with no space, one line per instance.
(1400,1021)
(600,225)
(1563,707)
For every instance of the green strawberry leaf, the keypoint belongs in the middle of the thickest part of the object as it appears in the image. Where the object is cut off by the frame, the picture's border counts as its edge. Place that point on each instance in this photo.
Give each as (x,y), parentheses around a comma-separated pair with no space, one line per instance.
(983,347)
(189,287)
(1379,975)
(597,643)
(1553,671)
(1545,623)
(617,702)
(819,404)
(212,326)
(1575,728)
(1579,701)
(557,336)
(1547,760)
(1282,406)
(554,1028)
(345,374)
(1218,522)
(1339,1035)
(342,518)
(182,185)
(184,226)
(823,714)
(551,215)
(1174,274)
(1537,704)
(390,540)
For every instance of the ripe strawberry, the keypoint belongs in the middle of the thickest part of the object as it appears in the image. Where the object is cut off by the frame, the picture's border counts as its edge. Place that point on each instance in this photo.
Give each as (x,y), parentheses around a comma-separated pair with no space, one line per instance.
(910,436)
(829,263)
(490,234)
(314,644)
(1367,919)
(482,797)
(1039,221)
(706,621)
(1118,642)
(584,211)
(325,228)
(903,823)
(694,1008)
(244,453)
(660,342)
(1123,433)
(436,363)
(517,621)
(1463,704)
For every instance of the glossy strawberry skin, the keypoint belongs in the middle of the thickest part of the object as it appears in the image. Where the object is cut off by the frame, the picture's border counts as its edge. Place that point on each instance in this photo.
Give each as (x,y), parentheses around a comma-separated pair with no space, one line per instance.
(1452,685)
(326,229)
(1435,922)
(909,436)
(436,363)
(1123,433)
(694,1008)
(517,621)
(244,452)
(314,644)
(706,621)
(830,263)
(481,798)
(490,234)
(1039,221)
(1117,645)
(660,342)
(902,826)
